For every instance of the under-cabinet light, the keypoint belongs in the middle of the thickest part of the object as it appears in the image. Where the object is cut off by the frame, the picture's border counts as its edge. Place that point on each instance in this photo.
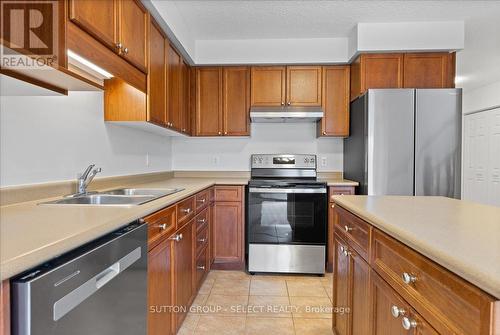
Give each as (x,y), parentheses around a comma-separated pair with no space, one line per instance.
(89,64)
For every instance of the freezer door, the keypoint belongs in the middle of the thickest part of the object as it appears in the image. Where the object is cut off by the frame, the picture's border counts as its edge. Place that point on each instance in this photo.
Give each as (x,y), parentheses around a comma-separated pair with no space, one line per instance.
(438,142)
(390,141)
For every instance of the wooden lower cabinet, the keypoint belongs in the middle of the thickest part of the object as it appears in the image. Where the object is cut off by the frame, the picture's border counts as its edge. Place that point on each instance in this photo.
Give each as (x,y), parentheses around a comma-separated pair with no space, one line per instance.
(350,290)
(391,314)
(160,280)
(228,218)
(183,274)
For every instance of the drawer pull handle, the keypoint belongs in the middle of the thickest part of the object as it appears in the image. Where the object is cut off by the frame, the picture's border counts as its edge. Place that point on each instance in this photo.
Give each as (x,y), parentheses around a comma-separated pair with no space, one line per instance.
(333,205)
(347,229)
(345,250)
(202,240)
(408,278)
(202,200)
(200,267)
(409,323)
(162,226)
(397,312)
(202,220)
(186,210)
(176,238)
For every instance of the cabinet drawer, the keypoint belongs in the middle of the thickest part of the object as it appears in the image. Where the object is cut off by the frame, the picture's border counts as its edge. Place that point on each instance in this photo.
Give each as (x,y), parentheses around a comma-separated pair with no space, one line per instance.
(201,268)
(201,240)
(202,199)
(450,304)
(340,190)
(355,230)
(202,219)
(228,193)
(160,224)
(185,210)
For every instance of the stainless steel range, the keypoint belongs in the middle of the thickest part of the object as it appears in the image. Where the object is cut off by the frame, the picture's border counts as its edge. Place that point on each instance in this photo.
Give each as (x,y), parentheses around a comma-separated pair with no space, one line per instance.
(286,222)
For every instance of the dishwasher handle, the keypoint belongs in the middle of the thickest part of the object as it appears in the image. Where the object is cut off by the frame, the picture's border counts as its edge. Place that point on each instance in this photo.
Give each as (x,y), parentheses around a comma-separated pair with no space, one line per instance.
(74,298)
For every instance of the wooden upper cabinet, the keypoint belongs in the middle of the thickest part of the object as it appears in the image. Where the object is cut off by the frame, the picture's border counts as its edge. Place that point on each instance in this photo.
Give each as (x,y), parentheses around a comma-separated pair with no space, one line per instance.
(335,121)
(376,71)
(156,76)
(133,19)
(268,85)
(303,85)
(96,17)
(208,101)
(184,100)
(429,70)
(174,115)
(236,101)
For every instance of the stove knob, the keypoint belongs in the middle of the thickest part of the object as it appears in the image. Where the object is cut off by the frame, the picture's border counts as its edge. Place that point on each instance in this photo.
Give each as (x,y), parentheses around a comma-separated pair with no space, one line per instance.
(306,160)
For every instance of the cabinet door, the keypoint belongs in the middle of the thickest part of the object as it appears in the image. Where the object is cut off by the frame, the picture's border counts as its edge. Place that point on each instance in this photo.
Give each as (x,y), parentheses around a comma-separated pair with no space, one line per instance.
(174,115)
(303,85)
(268,86)
(228,233)
(236,101)
(184,258)
(132,25)
(208,101)
(429,70)
(360,287)
(156,76)
(341,291)
(96,17)
(160,287)
(185,102)
(335,121)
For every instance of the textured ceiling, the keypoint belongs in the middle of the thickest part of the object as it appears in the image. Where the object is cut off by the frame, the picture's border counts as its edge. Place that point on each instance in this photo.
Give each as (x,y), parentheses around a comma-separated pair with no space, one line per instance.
(479,62)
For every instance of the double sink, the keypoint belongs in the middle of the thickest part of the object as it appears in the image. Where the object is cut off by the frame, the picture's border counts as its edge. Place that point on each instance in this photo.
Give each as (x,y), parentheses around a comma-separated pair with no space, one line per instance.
(117,197)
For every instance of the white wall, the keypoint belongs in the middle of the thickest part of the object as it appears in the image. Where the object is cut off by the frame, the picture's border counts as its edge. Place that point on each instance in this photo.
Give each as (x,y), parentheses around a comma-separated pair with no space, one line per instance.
(233,154)
(53,138)
(481,98)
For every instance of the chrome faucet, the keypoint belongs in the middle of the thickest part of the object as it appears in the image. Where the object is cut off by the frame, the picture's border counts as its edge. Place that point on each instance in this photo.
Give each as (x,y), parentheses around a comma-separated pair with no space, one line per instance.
(85,178)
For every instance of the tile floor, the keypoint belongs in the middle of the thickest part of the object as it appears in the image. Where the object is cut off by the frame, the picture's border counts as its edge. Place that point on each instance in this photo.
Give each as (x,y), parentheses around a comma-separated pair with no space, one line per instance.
(233,302)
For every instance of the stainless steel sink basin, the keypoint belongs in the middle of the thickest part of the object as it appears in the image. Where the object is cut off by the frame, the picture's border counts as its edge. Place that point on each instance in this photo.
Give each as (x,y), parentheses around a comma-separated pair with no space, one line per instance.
(156,192)
(118,197)
(102,200)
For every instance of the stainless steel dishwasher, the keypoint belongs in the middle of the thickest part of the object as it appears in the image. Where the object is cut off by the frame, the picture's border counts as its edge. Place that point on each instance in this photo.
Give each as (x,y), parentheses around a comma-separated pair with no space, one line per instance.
(99,289)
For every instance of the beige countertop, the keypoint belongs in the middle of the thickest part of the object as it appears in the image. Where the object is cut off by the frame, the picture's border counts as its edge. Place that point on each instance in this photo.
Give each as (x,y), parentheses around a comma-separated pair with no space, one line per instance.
(31,234)
(338,182)
(462,236)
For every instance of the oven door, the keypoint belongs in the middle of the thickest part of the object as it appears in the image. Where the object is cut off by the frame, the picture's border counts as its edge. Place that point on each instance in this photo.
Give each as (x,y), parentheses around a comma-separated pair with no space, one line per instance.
(287,215)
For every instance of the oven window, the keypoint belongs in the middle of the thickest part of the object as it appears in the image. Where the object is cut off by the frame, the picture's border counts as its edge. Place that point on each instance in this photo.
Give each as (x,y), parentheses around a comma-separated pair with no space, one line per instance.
(281,218)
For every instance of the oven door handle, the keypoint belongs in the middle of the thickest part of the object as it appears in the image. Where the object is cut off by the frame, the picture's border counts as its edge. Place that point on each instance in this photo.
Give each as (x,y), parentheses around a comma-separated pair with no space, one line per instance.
(286,190)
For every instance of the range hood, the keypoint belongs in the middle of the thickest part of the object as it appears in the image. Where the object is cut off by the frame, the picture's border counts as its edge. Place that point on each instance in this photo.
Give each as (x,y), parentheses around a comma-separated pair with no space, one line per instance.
(287,114)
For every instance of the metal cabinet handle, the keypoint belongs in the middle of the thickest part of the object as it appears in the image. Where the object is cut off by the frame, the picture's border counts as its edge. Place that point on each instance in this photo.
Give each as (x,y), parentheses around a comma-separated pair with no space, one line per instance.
(200,267)
(202,240)
(282,103)
(119,46)
(183,130)
(408,278)
(397,312)
(347,229)
(345,250)
(202,200)
(219,133)
(289,103)
(176,238)
(202,220)
(324,133)
(409,323)
(333,205)
(125,51)
(225,133)
(186,210)
(162,226)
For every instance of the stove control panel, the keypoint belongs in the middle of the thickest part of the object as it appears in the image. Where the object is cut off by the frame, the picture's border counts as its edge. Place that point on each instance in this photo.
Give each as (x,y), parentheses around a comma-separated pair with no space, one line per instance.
(268,161)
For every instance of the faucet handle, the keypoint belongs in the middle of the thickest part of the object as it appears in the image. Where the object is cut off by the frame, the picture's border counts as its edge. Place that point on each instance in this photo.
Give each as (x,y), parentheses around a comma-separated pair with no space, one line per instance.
(85,173)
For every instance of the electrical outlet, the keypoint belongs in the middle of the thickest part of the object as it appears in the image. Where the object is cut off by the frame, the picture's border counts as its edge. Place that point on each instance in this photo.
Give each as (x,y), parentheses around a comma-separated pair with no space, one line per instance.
(323,161)
(148,162)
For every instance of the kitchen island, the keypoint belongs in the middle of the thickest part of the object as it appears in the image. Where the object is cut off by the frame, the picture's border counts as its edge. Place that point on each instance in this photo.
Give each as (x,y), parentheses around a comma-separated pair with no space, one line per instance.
(429,263)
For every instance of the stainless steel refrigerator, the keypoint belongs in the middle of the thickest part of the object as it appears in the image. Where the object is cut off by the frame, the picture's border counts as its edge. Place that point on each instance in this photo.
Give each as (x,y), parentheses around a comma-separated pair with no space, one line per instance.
(406,142)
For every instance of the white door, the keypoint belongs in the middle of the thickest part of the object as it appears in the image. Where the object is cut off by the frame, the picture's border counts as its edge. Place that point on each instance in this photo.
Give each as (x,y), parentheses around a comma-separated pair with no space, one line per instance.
(482,157)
